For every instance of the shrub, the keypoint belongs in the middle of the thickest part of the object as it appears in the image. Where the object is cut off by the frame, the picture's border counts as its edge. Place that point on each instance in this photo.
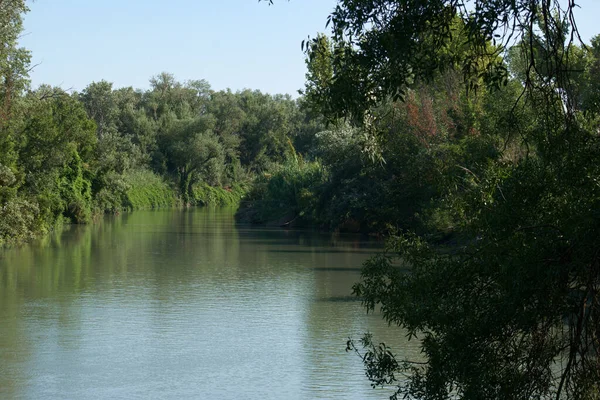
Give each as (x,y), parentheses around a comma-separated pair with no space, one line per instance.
(146,190)
(206,195)
(289,190)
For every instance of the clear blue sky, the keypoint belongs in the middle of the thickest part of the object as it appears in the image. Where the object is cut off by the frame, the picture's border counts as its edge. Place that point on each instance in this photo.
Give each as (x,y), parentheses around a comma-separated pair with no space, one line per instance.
(231,43)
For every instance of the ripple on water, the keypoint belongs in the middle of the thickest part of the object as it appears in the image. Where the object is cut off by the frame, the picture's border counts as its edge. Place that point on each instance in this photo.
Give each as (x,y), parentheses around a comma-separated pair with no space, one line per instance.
(182,304)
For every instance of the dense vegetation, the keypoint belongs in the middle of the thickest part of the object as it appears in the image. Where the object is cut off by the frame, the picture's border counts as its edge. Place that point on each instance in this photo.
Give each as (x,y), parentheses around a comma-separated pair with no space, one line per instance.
(70,156)
(465,130)
(470,127)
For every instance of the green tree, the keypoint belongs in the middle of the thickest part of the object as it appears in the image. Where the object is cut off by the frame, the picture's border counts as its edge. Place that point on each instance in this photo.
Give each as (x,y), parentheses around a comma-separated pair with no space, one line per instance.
(14,68)
(101,106)
(134,124)
(266,128)
(225,106)
(319,75)
(59,180)
(591,89)
(194,154)
(513,309)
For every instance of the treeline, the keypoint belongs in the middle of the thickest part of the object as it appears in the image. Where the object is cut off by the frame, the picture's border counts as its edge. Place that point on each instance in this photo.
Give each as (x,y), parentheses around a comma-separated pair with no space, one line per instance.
(394,166)
(412,163)
(70,156)
(472,138)
(395,172)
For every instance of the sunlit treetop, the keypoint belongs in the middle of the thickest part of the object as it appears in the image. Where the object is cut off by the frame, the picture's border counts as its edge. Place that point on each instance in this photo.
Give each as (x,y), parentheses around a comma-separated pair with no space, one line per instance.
(385,45)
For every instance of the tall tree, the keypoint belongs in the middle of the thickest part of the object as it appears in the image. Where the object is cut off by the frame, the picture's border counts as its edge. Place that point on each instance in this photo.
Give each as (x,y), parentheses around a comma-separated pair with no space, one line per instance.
(194,153)
(59,180)
(319,75)
(14,68)
(514,311)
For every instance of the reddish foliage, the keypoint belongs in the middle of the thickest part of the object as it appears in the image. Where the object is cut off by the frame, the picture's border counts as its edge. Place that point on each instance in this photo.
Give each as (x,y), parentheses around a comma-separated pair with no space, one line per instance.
(421,118)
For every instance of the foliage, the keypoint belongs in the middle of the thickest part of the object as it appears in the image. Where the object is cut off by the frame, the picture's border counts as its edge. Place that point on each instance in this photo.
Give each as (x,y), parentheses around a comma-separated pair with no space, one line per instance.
(17,221)
(75,191)
(497,315)
(206,195)
(59,179)
(112,196)
(145,190)
(14,63)
(319,76)
(116,149)
(511,309)
(288,192)
(194,153)
(135,190)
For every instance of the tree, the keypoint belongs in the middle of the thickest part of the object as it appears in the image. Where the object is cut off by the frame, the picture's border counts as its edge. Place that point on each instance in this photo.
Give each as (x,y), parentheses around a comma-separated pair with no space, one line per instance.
(59,180)
(194,153)
(513,309)
(101,106)
(591,92)
(381,47)
(229,119)
(134,124)
(319,75)
(14,68)
(125,136)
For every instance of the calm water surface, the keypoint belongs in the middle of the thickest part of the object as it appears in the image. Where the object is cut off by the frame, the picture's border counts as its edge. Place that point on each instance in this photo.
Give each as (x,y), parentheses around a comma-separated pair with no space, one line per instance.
(185,304)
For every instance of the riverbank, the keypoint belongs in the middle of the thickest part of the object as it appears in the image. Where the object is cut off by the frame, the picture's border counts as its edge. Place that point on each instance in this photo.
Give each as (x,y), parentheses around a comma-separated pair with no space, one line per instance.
(23,220)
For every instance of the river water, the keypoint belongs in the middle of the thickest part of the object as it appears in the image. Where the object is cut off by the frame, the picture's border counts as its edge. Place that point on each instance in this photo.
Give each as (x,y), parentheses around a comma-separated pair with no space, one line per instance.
(185,304)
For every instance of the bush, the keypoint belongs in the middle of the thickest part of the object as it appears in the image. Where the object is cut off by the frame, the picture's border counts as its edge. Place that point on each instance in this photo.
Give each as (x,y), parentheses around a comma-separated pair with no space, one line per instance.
(145,190)
(75,191)
(206,195)
(289,191)
(133,190)
(18,221)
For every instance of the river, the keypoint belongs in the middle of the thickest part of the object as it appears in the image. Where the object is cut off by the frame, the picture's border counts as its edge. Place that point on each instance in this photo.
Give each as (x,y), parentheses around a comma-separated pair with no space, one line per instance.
(185,304)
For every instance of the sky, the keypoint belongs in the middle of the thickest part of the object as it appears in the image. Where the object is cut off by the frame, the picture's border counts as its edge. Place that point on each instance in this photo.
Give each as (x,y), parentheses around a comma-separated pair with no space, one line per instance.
(234,44)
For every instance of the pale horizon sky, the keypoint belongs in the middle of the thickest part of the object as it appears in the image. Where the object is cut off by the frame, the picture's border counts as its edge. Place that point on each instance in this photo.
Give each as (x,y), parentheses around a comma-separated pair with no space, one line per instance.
(234,44)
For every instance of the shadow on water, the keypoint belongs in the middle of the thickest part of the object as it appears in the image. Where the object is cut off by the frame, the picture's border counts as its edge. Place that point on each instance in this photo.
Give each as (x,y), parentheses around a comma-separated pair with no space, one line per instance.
(325,251)
(171,304)
(340,299)
(337,269)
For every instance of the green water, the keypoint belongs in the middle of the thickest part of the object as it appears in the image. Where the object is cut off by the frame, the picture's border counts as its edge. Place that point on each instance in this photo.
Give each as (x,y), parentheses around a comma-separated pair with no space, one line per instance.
(185,304)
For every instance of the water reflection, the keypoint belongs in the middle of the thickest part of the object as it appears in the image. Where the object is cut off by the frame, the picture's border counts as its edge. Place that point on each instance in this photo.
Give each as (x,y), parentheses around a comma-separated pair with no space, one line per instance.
(184,304)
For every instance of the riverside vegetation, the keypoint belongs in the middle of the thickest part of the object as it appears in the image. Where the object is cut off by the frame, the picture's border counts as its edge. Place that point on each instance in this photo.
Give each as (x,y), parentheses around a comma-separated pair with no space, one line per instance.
(466,131)
(71,156)
(67,157)
(471,130)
